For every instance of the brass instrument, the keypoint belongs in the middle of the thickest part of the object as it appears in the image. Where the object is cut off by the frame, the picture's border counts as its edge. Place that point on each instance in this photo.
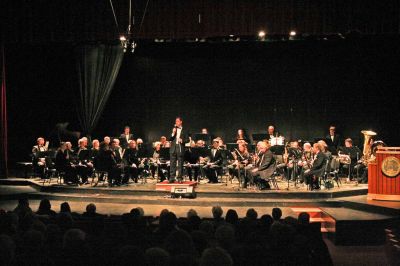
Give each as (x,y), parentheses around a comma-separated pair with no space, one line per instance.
(367,152)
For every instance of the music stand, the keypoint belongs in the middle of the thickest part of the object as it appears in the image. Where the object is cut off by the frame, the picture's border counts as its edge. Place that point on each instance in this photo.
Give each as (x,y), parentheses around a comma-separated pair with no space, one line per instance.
(231,146)
(260,137)
(200,136)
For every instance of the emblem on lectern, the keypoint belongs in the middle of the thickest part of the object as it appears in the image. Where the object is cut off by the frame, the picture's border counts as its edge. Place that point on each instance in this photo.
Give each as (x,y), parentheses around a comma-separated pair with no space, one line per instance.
(391,166)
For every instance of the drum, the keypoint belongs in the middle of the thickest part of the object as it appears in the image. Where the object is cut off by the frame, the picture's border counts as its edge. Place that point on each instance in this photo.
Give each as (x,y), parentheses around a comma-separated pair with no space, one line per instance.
(274,141)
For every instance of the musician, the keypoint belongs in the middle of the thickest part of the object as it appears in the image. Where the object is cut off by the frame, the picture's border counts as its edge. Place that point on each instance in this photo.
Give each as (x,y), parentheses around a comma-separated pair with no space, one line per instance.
(132,161)
(94,151)
(107,140)
(333,139)
(178,139)
(118,150)
(156,165)
(63,164)
(126,137)
(242,136)
(325,149)
(214,158)
(164,142)
(241,158)
(264,166)
(294,157)
(84,167)
(271,132)
(105,161)
(306,159)
(39,163)
(318,166)
(192,158)
(353,152)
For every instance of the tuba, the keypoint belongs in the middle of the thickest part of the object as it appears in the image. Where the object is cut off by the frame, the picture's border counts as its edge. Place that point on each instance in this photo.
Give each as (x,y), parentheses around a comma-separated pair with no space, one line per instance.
(368,134)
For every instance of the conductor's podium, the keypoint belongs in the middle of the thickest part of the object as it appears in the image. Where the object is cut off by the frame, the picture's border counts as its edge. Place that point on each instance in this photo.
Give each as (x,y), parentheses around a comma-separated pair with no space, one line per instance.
(384,175)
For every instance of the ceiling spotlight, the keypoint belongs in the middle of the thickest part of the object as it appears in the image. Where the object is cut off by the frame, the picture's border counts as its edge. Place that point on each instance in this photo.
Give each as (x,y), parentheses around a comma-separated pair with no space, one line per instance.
(292,33)
(261,34)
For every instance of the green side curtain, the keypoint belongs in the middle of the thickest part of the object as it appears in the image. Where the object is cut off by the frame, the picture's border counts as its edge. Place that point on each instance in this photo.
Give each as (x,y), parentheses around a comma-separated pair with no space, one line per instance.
(98,67)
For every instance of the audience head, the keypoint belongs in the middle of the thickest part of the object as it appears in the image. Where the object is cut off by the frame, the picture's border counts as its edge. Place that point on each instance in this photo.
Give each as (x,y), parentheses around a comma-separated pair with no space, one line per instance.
(168,221)
(217,212)
(44,205)
(231,217)
(74,238)
(215,256)
(191,213)
(225,236)
(91,208)
(251,214)
(157,257)
(179,242)
(64,207)
(304,218)
(276,214)
(131,255)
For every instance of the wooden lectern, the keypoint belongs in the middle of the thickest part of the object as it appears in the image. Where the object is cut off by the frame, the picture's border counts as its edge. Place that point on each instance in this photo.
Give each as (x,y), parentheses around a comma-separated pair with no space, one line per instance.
(384,175)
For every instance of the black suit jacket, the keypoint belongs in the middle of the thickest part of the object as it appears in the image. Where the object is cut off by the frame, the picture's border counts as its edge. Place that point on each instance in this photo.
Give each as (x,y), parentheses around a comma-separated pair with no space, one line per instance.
(319,164)
(266,166)
(181,146)
(131,156)
(337,141)
(123,141)
(217,159)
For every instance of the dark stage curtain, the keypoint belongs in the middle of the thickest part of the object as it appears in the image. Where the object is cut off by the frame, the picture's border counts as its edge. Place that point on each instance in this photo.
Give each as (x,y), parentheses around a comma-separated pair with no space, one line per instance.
(98,67)
(3,113)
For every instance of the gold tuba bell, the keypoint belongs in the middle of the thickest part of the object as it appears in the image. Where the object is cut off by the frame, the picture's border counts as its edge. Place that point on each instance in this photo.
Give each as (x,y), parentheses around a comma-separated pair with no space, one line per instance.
(368,134)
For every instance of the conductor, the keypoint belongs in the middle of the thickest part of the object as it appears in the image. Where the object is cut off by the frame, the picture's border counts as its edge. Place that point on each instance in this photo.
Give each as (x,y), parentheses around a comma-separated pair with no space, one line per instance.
(178,139)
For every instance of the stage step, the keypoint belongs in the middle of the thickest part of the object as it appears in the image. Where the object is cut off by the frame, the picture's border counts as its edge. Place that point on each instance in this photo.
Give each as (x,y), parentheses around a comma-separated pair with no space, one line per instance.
(317,216)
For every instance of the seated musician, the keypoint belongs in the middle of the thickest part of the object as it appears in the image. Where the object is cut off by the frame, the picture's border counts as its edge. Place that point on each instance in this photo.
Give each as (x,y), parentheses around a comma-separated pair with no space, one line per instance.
(325,149)
(354,153)
(126,137)
(107,140)
(214,163)
(264,166)
(164,142)
(118,150)
(63,164)
(38,160)
(242,136)
(306,159)
(241,158)
(105,161)
(94,151)
(317,169)
(132,160)
(294,157)
(192,159)
(84,167)
(156,165)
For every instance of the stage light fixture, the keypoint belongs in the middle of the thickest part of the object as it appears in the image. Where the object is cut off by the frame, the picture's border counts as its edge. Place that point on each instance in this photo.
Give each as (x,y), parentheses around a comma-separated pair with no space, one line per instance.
(292,33)
(261,34)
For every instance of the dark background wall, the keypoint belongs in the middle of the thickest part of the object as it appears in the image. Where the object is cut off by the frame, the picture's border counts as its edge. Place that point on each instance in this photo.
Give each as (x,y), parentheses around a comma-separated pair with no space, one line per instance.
(301,87)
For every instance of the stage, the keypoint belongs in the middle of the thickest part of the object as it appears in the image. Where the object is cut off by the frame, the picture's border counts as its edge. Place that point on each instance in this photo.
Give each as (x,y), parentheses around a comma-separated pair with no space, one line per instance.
(343,212)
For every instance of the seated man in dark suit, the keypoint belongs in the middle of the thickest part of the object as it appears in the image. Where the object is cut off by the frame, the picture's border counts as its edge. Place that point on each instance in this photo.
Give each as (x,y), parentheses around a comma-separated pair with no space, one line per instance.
(214,162)
(263,168)
(318,166)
